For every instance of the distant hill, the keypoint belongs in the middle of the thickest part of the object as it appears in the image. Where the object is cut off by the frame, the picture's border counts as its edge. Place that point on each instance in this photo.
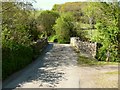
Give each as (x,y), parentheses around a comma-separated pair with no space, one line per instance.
(77,8)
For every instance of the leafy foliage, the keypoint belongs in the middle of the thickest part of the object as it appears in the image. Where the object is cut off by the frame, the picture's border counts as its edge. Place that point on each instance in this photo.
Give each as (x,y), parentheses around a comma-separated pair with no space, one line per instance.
(45,22)
(107,29)
(18,33)
(72,7)
(63,27)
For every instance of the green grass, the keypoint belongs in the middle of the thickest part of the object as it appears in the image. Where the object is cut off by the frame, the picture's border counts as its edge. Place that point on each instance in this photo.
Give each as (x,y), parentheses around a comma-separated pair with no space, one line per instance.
(52,38)
(113,72)
(87,61)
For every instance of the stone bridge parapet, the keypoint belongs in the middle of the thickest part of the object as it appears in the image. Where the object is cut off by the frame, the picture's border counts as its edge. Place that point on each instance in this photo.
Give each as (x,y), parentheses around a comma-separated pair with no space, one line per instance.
(83,46)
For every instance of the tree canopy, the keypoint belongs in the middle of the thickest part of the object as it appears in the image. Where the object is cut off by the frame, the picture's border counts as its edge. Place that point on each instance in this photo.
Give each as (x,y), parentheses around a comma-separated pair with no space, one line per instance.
(63,27)
(45,22)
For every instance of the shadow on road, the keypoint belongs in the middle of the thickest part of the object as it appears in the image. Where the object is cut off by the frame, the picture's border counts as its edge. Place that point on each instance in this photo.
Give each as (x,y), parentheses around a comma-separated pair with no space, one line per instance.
(43,70)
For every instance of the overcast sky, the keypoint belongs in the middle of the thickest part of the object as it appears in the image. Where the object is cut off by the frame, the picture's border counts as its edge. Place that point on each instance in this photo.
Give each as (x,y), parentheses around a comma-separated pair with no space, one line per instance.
(48,4)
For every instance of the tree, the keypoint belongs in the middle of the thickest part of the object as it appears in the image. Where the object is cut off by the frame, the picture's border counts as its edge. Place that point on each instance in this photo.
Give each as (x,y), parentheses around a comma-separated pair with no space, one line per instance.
(63,27)
(14,28)
(16,37)
(107,28)
(56,7)
(72,7)
(45,22)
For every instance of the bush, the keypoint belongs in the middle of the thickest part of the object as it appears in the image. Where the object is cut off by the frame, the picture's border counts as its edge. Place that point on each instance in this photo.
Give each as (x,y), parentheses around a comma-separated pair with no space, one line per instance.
(15,59)
(18,56)
(18,33)
(63,27)
(52,38)
(45,22)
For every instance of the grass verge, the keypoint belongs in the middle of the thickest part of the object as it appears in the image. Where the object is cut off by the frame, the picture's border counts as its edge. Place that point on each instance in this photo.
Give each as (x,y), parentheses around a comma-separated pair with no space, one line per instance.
(87,61)
(113,72)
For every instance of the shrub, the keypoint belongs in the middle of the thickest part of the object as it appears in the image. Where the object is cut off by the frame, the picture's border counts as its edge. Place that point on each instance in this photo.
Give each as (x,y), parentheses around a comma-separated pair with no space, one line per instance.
(63,27)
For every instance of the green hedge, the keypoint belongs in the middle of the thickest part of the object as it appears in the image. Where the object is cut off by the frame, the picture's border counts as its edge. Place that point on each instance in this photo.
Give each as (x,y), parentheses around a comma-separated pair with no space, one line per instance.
(14,60)
(18,57)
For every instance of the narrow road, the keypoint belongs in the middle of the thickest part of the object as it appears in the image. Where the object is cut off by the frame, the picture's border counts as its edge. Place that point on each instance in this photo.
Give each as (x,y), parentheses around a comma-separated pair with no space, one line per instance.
(55,68)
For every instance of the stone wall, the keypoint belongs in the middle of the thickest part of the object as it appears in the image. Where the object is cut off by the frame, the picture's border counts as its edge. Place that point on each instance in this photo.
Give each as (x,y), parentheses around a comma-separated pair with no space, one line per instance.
(85,47)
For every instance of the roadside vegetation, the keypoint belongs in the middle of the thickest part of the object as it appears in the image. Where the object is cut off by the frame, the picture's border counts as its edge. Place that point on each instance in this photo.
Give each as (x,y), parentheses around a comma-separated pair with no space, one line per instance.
(87,61)
(114,72)
(19,34)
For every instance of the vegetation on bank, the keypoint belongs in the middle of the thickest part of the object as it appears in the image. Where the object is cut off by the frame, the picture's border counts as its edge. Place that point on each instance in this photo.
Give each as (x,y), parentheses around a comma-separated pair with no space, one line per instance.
(114,72)
(19,32)
(87,61)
